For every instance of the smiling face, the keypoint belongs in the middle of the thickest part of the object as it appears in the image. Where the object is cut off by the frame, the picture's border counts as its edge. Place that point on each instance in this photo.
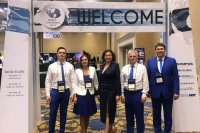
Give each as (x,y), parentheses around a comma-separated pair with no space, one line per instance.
(108,57)
(133,57)
(160,51)
(84,61)
(61,54)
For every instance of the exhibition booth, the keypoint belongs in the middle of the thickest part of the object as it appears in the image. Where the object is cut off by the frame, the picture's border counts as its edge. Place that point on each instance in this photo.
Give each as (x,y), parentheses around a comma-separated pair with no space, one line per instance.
(37,28)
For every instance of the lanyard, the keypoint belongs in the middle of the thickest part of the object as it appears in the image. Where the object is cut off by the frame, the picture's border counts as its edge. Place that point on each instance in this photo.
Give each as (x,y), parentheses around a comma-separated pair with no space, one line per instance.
(87,74)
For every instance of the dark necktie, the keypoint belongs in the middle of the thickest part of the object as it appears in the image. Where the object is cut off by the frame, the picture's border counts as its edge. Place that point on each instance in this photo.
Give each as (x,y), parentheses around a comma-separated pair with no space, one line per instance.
(131,72)
(161,64)
(62,72)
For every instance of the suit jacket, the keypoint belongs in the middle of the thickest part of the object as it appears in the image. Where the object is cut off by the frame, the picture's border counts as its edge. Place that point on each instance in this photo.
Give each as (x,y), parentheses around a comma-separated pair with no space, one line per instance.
(110,79)
(79,84)
(109,87)
(170,78)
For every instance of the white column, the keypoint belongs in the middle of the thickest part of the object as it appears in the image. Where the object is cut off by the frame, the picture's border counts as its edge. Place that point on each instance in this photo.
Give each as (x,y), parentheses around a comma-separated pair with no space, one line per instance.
(186,116)
(16,94)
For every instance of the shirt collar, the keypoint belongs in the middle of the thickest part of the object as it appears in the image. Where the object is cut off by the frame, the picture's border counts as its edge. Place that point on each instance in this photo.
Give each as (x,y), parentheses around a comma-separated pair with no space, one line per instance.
(61,63)
(162,58)
(134,65)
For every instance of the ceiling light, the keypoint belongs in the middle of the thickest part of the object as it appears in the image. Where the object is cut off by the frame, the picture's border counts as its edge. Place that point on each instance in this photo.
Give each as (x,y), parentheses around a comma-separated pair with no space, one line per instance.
(1,10)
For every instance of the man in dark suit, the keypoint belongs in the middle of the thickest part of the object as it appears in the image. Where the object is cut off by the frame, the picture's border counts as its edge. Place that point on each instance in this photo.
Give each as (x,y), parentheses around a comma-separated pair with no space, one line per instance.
(164,87)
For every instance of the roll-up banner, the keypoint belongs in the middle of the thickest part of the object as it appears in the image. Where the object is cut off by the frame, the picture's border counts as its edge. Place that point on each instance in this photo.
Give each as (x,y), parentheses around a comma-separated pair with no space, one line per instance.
(186,110)
(71,16)
(15,91)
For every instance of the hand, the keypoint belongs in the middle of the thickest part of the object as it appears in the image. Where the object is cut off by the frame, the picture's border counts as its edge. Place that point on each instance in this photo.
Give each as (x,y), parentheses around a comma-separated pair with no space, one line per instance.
(75,99)
(72,97)
(176,96)
(48,99)
(117,98)
(143,99)
(122,99)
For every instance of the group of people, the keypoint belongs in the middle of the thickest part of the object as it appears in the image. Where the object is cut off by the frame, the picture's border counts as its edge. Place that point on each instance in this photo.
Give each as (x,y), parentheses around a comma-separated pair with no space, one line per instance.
(132,85)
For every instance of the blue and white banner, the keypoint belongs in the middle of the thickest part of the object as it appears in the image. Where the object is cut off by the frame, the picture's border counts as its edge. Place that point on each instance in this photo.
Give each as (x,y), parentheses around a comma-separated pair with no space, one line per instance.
(186,110)
(16,94)
(18,20)
(99,17)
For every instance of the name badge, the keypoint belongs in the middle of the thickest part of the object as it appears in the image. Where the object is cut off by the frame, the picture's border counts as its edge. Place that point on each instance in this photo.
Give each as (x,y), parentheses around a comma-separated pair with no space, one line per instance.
(61,86)
(131,84)
(88,83)
(159,78)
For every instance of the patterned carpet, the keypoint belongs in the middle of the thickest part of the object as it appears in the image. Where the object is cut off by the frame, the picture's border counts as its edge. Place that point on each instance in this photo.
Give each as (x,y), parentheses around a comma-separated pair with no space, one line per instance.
(95,126)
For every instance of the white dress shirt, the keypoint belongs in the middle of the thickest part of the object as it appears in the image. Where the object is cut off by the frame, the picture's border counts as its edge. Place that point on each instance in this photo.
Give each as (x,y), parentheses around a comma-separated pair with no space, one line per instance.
(79,87)
(54,75)
(140,76)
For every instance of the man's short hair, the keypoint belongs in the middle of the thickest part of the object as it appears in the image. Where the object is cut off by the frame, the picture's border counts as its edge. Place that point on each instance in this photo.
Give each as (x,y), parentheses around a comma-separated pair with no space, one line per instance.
(132,51)
(160,44)
(61,48)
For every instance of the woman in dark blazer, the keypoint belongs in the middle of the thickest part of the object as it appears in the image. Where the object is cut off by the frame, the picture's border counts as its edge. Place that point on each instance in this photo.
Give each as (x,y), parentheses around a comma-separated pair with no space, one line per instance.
(109,89)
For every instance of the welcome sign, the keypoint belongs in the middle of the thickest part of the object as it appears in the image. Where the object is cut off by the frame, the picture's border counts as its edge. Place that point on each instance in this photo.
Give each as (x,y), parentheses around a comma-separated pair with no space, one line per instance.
(104,16)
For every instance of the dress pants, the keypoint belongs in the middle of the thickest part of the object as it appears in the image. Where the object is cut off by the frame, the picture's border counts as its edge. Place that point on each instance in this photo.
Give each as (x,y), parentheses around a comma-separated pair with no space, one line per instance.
(157,103)
(58,99)
(134,109)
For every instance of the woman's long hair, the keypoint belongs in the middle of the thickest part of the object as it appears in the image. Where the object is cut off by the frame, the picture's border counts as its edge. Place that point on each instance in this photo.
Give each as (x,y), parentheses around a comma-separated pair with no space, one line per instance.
(80,61)
(104,53)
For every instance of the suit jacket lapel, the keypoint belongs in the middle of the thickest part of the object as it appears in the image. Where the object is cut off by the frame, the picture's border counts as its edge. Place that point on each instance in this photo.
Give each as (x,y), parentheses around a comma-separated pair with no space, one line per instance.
(81,75)
(165,63)
(155,62)
(109,68)
(101,69)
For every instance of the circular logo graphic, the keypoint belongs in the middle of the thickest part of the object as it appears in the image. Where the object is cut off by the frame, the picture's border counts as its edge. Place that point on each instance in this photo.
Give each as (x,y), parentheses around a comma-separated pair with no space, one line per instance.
(52,16)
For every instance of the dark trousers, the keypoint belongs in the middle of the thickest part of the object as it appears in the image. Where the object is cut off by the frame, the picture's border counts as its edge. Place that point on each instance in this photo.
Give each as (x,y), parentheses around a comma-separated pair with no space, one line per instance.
(134,107)
(62,100)
(167,108)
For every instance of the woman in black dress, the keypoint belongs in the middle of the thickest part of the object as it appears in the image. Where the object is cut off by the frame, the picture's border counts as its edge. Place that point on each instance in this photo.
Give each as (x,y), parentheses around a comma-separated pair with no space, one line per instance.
(109,89)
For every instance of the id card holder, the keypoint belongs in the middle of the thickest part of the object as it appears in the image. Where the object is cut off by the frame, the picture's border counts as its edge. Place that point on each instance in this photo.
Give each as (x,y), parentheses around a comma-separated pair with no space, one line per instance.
(61,86)
(88,83)
(131,84)
(159,78)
